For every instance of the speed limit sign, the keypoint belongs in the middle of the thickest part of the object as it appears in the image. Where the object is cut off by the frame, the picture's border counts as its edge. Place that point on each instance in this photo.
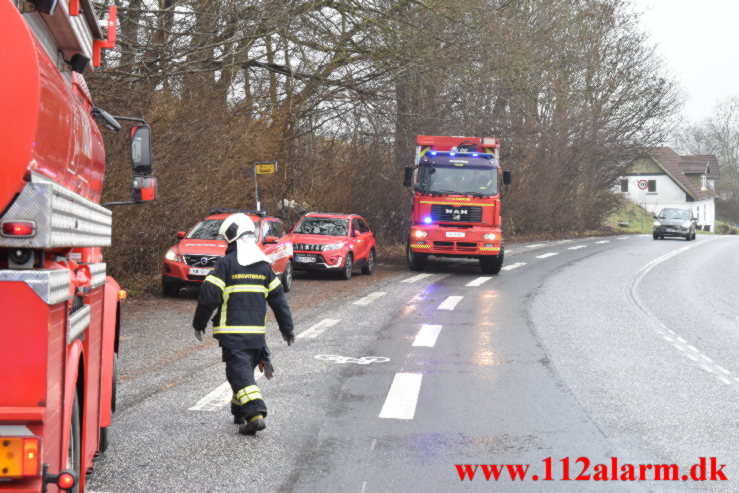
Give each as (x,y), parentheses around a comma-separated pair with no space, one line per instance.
(643,184)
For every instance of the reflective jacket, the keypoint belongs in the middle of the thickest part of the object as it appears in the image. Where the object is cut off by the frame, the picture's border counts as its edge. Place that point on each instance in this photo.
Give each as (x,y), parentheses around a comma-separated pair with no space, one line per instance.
(240,296)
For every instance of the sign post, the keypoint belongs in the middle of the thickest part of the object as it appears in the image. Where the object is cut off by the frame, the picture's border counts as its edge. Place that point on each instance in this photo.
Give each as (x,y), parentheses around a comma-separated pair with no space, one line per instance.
(262,168)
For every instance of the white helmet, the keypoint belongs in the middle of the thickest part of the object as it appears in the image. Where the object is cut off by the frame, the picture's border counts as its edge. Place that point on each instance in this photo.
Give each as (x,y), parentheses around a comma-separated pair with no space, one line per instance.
(236,226)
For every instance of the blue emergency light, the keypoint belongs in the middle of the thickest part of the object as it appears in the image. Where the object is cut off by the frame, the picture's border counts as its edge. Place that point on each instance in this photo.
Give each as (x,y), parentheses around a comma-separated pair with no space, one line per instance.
(427,220)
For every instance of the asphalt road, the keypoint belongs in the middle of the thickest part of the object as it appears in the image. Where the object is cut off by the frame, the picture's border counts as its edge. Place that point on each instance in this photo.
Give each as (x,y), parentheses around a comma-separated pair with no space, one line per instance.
(602,348)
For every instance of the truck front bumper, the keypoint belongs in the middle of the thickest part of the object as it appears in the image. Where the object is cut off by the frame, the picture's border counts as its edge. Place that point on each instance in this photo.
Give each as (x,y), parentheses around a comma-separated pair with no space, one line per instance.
(456,242)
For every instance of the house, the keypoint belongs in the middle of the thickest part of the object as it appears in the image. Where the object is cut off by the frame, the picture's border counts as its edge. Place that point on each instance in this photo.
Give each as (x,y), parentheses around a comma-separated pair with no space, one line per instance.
(662,178)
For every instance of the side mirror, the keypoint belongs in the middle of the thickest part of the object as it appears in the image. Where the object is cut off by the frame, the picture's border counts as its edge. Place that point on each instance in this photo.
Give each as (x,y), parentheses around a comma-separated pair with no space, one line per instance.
(141,150)
(507,177)
(271,240)
(655,217)
(408,176)
(180,234)
(144,188)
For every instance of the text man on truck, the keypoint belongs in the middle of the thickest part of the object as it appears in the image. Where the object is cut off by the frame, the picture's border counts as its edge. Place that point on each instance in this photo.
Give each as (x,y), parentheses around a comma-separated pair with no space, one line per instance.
(457,183)
(59,311)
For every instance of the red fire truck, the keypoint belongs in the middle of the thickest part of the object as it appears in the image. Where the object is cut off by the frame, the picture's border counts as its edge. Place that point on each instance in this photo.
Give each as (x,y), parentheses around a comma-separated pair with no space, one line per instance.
(457,183)
(59,312)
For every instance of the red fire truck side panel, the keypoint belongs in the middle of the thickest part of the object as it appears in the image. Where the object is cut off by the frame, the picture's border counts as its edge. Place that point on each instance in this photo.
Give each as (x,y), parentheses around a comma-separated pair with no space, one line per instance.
(110,334)
(92,353)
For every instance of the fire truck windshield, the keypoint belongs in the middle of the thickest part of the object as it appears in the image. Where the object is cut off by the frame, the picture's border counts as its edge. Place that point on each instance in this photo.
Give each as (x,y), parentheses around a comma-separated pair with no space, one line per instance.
(206,230)
(467,179)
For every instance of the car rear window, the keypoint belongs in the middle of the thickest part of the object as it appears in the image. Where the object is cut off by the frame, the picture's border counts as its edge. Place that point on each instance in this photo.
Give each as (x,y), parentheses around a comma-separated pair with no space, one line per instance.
(323,226)
(206,230)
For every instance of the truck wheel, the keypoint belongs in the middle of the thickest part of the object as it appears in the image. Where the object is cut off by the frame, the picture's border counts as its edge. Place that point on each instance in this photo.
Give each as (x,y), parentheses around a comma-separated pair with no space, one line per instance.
(346,272)
(73,451)
(170,288)
(491,264)
(287,276)
(370,267)
(416,261)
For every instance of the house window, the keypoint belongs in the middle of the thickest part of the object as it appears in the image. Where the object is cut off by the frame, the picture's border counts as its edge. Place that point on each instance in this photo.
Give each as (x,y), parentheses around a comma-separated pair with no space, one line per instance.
(652,186)
(625,185)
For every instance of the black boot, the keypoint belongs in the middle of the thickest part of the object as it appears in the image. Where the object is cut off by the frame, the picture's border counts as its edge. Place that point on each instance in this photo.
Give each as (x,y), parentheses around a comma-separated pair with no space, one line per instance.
(255,423)
(239,419)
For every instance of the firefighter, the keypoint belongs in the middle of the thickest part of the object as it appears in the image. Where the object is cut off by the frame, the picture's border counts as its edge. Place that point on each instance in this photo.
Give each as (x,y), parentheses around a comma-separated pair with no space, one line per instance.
(239,288)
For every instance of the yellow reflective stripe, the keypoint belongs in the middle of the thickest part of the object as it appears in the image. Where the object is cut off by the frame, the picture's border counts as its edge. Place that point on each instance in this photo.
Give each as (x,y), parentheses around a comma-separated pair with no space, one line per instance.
(216,281)
(274,284)
(420,246)
(245,288)
(436,202)
(249,393)
(239,329)
(490,249)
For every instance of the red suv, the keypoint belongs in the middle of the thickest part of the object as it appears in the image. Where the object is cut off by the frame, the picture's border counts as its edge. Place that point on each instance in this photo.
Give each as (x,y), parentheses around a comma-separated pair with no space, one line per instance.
(324,241)
(193,257)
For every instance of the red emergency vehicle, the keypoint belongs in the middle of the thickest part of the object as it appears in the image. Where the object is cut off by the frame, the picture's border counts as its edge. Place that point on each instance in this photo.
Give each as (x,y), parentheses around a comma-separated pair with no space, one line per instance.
(193,257)
(60,312)
(457,183)
(340,242)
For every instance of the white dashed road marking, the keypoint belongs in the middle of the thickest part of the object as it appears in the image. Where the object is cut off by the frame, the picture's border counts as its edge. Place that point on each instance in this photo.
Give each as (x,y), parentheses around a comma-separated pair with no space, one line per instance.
(550,254)
(622,238)
(400,402)
(370,298)
(537,245)
(577,247)
(319,328)
(514,266)
(450,303)
(602,241)
(426,337)
(417,278)
(479,281)
(218,397)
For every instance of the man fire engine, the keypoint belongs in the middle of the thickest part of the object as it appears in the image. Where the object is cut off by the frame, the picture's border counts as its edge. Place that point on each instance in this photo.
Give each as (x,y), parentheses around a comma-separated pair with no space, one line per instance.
(456,201)
(59,322)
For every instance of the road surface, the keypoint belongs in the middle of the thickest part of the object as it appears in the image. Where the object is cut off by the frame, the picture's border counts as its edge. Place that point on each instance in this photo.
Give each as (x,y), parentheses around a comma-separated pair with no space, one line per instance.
(619,348)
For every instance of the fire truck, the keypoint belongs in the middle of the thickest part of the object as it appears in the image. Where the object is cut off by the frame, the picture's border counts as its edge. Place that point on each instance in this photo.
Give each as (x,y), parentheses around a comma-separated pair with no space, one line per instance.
(457,184)
(59,311)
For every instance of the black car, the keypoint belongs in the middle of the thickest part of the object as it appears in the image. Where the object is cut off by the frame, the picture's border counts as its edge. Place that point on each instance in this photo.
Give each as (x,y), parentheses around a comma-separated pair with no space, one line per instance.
(674,222)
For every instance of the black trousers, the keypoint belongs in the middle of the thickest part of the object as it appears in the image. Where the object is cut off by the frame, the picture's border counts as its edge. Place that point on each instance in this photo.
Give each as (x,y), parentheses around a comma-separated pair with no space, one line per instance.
(247,399)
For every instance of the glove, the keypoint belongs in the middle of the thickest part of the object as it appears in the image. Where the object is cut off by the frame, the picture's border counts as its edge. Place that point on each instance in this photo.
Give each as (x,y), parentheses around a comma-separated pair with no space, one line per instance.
(198,335)
(265,366)
(289,338)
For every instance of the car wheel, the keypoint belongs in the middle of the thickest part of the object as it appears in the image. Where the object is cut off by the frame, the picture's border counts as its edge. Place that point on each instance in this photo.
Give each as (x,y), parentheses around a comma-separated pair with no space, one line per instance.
(170,288)
(688,236)
(416,261)
(287,277)
(370,267)
(346,272)
(655,236)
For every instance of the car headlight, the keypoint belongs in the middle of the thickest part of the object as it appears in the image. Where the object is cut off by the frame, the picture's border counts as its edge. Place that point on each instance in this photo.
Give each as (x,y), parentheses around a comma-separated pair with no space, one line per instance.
(171,255)
(686,224)
(657,223)
(333,246)
(489,236)
(420,234)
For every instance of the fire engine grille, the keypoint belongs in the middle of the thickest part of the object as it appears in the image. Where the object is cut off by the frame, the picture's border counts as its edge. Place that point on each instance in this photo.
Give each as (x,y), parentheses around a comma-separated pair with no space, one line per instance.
(201,260)
(459,246)
(454,213)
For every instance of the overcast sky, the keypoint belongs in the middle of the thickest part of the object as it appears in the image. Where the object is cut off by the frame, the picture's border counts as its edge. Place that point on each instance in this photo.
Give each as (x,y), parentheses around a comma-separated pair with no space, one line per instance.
(700,42)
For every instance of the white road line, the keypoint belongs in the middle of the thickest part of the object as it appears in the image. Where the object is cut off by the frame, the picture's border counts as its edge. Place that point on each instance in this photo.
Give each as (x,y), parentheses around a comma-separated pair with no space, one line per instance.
(623,238)
(550,254)
(514,266)
(682,340)
(536,245)
(417,278)
(426,337)
(370,298)
(577,247)
(679,347)
(707,368)
(603,241)
(722,369)
(724,379)
(692,348)
(708,359)
(400,402)
(218,397)
(691,356)
(478,281)
(319,328)
(450,303)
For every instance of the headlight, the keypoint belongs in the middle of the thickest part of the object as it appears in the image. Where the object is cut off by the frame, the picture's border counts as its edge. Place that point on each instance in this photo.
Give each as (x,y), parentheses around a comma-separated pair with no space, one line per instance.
(657,223)
(420,234)
(171,255)
(333,246)
(686,224)
(489,236)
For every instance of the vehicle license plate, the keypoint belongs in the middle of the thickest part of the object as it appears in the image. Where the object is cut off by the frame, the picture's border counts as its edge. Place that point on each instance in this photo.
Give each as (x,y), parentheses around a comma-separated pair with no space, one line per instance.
(196,271)
(454,234)
(305,259)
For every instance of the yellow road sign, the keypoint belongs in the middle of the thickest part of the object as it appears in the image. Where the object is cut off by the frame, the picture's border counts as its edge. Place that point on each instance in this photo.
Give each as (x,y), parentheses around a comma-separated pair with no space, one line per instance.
(266,168)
